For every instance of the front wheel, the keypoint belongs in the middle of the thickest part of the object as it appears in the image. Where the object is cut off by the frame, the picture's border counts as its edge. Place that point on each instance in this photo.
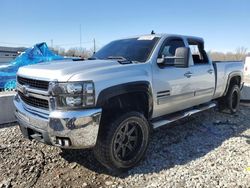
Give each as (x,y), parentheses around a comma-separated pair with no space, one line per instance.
(122,143)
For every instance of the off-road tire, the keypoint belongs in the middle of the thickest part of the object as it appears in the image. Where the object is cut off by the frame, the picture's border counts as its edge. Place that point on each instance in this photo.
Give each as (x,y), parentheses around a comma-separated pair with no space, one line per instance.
(112,138)
(231,101)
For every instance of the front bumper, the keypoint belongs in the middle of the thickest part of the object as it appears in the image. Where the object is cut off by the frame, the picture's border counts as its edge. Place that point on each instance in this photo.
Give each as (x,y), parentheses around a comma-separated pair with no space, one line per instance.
(66,129)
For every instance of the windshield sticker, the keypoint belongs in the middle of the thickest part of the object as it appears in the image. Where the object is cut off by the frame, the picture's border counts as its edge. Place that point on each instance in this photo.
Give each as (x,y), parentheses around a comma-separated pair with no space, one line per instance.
(149,37)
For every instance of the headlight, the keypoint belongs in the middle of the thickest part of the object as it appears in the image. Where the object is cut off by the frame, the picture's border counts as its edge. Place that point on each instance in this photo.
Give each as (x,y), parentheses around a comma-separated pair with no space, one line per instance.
(89,88)
(74,94)
(73,101)
(74,88)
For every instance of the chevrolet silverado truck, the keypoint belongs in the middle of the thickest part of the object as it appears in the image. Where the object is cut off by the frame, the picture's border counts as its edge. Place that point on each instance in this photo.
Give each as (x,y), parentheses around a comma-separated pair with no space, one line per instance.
(111,101)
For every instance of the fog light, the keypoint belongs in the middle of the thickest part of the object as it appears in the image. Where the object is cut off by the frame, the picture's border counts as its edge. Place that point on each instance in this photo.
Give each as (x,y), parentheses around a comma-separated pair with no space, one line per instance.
(66,142)
(63,141)
(59,141)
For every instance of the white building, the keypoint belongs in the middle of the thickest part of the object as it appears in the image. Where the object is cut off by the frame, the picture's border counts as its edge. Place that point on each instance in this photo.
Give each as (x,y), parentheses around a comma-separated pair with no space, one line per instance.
(7,54)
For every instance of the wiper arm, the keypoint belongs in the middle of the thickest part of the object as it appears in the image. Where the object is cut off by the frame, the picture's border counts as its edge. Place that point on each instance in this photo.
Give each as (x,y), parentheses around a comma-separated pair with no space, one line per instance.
(117,57)
(120,59)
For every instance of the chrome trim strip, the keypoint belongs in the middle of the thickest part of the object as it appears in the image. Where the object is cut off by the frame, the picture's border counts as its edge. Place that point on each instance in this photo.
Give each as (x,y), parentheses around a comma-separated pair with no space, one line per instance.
(165,99)
(39,96)
(32,90)
(70,114)
(204,91)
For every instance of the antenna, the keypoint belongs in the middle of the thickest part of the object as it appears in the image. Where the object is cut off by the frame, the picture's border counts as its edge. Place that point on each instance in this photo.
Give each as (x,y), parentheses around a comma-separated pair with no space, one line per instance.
(94,46)
(51,43)
(152,32)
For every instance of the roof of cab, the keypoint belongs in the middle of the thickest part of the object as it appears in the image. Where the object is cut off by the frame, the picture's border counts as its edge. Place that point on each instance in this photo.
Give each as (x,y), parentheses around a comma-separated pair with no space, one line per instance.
(160,35)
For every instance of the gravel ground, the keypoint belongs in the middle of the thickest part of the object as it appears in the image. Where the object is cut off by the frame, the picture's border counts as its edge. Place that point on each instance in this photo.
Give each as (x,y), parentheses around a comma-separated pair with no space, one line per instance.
(210,149)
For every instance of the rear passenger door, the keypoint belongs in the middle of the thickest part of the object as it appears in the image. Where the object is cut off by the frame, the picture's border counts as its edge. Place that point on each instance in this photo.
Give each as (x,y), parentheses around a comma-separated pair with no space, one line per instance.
(203,76)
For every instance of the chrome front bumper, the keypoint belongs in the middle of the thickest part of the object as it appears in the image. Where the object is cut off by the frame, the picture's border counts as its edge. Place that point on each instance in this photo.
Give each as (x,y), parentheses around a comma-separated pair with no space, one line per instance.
(66,129)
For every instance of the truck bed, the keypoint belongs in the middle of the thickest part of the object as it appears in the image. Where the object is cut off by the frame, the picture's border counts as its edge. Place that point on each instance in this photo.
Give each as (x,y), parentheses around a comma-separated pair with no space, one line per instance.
(223,70)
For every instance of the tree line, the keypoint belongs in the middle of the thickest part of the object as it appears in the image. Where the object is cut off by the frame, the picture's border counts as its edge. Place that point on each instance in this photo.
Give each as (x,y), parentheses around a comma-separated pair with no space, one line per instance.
(238,55)
(74,52)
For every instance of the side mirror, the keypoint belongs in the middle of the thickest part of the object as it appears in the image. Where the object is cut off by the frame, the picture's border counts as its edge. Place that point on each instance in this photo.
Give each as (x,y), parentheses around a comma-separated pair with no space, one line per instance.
(181,58)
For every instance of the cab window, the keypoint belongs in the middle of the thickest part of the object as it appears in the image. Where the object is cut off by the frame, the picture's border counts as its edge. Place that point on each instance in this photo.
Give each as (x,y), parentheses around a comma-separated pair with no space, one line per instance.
(199,55)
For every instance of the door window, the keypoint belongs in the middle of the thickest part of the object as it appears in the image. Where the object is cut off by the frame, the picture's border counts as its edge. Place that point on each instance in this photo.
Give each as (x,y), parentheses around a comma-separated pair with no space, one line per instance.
(169,48)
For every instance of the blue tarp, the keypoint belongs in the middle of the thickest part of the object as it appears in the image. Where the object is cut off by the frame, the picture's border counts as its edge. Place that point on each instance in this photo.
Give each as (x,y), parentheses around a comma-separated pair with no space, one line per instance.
(37,54)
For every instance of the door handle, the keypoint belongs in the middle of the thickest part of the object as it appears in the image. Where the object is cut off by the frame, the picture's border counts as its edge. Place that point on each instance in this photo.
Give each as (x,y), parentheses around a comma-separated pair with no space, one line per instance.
(210,71)
(188,74)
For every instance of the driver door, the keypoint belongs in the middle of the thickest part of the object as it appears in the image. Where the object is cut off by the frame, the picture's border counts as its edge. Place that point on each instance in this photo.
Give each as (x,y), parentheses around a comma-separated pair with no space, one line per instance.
(172,85)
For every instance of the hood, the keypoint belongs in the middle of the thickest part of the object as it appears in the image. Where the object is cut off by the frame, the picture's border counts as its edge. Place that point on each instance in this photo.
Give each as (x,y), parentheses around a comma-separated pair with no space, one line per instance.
(64,70)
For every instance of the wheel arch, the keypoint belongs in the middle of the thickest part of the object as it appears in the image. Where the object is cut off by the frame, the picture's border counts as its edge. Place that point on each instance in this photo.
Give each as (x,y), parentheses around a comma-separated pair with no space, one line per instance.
(234,78)
(142,88)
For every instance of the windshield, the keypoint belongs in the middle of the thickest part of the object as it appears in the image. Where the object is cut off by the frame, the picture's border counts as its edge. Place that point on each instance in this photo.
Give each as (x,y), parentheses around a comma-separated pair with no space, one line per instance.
(133,49)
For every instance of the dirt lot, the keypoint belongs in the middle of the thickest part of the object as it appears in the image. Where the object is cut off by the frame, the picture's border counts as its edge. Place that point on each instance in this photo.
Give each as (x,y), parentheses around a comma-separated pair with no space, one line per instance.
(211,149)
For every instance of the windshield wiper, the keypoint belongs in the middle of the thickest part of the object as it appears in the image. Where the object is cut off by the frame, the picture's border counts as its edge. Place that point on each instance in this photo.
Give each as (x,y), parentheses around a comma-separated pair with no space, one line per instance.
(117,57)
(120,59)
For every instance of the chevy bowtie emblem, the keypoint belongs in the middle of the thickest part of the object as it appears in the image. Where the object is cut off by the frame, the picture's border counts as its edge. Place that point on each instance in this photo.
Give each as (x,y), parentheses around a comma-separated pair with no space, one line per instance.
(24,90)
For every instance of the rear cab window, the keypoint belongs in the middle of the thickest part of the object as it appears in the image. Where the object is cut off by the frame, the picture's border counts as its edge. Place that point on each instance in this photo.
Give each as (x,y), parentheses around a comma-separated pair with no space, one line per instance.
(199,55)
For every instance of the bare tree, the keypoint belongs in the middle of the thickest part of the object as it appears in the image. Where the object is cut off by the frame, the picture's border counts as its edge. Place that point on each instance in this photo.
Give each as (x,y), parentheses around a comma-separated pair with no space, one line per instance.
(70,52)
(74,51)
(217,56)
(241,53)
(78,52)
(58,50)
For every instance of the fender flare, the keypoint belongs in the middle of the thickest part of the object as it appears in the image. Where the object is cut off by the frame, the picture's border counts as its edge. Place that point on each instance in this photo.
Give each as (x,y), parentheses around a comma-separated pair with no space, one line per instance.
(131,87)
(230,76)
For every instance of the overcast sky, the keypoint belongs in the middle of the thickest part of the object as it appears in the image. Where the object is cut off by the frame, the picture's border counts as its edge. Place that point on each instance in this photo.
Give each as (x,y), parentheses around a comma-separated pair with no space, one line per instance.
(224,24)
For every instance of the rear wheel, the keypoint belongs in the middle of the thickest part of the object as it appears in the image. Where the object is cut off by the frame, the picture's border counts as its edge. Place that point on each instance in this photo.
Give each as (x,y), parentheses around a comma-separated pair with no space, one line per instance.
(122,143)
(232,100)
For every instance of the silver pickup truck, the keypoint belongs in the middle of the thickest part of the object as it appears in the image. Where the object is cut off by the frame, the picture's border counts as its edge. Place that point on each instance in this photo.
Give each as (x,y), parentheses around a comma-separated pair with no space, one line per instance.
(111,101)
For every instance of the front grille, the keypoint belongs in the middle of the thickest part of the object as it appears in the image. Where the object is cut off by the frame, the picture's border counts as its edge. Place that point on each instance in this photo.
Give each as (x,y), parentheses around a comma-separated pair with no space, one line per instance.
(35,102)
(39,84)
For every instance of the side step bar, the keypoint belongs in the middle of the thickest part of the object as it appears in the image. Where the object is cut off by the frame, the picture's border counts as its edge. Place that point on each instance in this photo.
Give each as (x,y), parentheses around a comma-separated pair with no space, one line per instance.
(177,116)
